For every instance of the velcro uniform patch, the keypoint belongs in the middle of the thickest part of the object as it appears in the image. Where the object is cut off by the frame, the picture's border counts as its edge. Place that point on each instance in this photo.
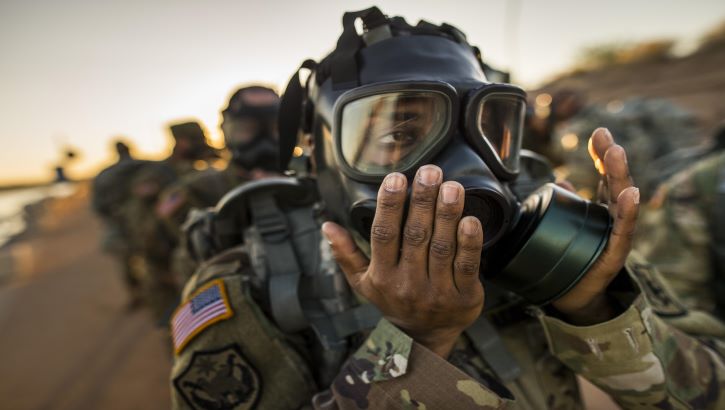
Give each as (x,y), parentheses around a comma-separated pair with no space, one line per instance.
(203,308)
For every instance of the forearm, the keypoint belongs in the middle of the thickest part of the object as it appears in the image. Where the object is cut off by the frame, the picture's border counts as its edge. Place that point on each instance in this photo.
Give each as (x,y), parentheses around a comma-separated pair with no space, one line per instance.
(641,359)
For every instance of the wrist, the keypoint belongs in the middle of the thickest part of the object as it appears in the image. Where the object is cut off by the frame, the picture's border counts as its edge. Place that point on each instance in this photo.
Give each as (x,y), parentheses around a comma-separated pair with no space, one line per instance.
(439,342)
(598,310)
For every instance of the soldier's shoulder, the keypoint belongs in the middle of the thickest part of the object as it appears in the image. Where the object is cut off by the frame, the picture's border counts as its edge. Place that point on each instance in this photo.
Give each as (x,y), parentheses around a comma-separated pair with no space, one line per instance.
(224,266)
(205,341)
(222,337)
(696,181)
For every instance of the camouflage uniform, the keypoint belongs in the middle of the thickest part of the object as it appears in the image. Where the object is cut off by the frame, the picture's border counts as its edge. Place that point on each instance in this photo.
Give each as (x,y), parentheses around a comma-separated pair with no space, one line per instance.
(647,129)
(676,231)
(197,190)
(150,242)
(656,353)
(111,190)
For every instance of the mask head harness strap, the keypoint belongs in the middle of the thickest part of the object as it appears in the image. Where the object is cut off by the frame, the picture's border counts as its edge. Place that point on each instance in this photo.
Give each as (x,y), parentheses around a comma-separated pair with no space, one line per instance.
(294,116)
(341,66)
(344,62)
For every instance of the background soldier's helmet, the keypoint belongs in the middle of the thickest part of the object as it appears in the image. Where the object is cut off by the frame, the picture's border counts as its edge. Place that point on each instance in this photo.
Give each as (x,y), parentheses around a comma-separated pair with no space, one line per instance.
(191,140)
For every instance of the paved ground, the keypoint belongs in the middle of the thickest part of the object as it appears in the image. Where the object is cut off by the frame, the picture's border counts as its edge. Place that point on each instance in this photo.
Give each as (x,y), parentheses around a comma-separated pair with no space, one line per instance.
(66,341)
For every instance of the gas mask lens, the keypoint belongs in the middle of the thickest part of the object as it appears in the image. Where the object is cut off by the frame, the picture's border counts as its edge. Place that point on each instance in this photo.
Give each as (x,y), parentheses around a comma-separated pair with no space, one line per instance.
(500,122)
(245,130)
(390,132)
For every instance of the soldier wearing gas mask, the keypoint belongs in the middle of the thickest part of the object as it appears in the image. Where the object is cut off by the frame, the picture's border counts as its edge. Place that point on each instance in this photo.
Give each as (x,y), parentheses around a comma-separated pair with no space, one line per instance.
(416,158)
(249,125)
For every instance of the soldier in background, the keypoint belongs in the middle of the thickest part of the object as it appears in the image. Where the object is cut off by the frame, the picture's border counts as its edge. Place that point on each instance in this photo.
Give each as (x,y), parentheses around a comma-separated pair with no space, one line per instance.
(151,242)
(249,125)
(682,230)
(542,118)
(111,189)
(648,129)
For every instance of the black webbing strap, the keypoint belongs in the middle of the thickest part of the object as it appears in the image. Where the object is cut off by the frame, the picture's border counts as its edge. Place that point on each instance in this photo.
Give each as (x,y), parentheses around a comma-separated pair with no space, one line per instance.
(489,345)
(332,330)
(354,320)
(323,286)
(344,66)
(290,120)
(282,263)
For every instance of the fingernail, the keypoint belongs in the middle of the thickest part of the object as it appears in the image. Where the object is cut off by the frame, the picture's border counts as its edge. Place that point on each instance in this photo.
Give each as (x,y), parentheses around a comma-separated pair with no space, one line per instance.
(450,193)
(607,134)
(635,196)
(470,227)
(429,175)
(394,182)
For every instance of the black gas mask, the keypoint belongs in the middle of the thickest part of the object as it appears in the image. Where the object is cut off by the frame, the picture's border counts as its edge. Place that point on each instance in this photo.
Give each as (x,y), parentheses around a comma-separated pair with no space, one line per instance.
(398,97)
(250,128)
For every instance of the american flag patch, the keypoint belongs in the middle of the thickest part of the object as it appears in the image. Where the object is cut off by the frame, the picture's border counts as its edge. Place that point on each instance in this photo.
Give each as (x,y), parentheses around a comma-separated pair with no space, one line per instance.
(205,307)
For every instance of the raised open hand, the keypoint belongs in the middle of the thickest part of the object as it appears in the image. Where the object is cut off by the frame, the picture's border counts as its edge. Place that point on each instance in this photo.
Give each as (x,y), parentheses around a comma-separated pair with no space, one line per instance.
(423,272)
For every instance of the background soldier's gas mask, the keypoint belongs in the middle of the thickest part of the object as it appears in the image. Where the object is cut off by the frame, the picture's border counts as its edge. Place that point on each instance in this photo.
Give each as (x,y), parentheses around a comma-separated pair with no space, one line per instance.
(250,128)
(398,97)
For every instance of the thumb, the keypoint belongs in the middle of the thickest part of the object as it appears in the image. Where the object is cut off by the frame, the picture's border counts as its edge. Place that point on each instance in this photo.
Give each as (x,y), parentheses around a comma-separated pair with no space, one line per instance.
(351,259)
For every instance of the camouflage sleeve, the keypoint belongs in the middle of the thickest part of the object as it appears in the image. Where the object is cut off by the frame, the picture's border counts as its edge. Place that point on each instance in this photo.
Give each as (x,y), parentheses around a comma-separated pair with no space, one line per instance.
(390,370)
(656,354)
(675,232)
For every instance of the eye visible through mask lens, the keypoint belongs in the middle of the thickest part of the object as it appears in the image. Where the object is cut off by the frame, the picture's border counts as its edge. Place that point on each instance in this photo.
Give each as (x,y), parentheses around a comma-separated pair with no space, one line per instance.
(389,132)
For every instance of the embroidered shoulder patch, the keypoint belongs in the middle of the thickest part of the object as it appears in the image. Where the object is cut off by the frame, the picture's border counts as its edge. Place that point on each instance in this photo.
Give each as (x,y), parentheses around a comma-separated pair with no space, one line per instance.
(219,379)
(202,309)
(656,293)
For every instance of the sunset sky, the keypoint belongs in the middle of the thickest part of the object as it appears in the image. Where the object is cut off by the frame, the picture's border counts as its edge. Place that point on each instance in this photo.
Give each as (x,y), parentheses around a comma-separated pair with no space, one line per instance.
(79,72)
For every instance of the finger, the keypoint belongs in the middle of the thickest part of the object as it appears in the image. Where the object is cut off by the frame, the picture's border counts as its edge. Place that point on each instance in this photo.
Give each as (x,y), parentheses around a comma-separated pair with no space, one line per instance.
(617,175)
(443,242)
(351,259)
(468,254)
(418,226)
(620,239)
(603,191)
(599,143)
(385,230)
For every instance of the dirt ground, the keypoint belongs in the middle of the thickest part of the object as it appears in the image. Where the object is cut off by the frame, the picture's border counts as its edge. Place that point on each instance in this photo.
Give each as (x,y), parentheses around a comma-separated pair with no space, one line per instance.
(66,340)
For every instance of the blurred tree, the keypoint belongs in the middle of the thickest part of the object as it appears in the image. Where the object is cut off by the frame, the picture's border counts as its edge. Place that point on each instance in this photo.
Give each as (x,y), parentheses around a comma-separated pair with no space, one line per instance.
(715,37)
(609,54)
